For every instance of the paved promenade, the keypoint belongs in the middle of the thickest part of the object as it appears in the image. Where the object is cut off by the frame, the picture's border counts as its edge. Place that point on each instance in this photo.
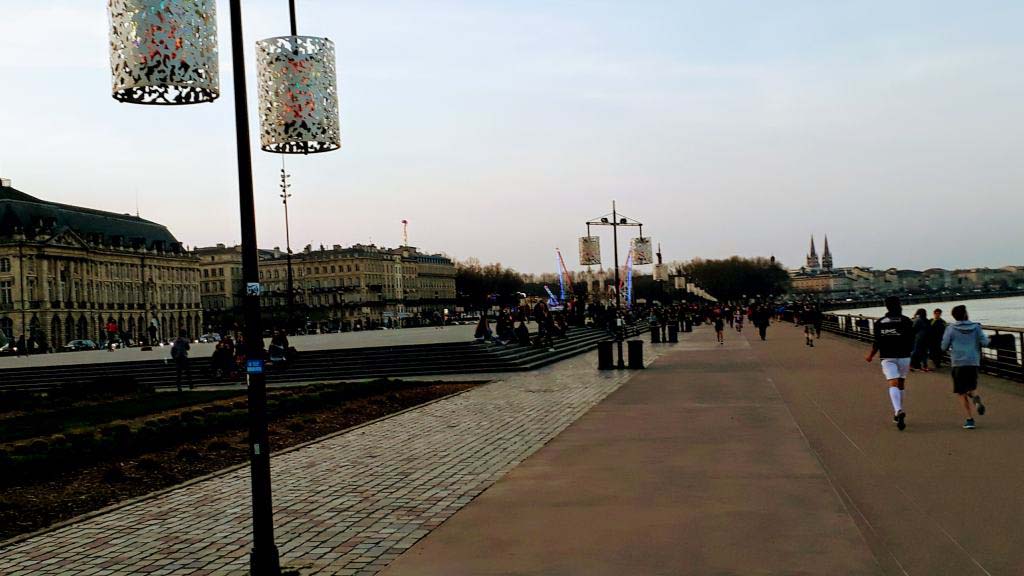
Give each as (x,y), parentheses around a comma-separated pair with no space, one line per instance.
(750,458)
(695,466)
(932,500)
(346,505)
(701,466)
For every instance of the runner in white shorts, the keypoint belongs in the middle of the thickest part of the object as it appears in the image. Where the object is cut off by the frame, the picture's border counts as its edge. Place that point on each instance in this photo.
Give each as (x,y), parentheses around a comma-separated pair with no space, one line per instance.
(895,368)
(894,342)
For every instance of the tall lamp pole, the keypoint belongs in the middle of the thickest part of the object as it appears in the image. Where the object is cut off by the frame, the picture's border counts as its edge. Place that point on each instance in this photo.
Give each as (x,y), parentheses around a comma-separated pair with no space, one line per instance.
(264,558)
(164,52)
(616,221)
(285,195)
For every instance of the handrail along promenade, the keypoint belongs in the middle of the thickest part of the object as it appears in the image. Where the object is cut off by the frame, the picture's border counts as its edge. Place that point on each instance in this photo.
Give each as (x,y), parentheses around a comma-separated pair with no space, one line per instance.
(1002,358)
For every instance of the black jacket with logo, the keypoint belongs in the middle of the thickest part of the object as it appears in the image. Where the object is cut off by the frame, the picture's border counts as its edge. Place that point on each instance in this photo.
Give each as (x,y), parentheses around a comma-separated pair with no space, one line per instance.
(894,336)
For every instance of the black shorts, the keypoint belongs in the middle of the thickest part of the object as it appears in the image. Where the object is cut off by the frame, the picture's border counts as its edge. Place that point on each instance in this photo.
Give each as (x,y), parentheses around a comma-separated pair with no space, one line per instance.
(965,379)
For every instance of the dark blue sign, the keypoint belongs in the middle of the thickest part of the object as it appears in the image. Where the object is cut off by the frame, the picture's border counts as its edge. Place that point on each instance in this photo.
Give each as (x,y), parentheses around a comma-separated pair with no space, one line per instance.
(254,366)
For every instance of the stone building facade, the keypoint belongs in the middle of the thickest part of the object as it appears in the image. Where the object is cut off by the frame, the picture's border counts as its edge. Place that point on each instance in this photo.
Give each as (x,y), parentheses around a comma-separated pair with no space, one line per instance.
(67,271)
(220,279)
(337,288)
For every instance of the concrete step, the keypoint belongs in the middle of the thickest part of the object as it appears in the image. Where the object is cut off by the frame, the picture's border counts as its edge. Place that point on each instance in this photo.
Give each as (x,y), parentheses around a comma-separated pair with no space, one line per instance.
(340,364)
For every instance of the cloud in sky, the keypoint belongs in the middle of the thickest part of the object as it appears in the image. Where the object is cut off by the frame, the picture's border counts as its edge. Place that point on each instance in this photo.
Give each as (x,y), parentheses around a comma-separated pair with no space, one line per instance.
(498,128)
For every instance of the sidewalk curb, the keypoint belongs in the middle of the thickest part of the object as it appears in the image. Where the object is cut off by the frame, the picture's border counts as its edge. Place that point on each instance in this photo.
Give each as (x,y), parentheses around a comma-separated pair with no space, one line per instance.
(224,471)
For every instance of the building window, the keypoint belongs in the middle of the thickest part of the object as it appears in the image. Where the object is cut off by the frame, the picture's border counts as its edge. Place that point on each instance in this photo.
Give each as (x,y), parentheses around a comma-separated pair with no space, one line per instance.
(5,264)
(6,292)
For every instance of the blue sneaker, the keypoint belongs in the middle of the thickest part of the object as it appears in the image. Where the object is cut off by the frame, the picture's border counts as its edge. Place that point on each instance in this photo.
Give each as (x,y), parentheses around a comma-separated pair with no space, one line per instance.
(969,424)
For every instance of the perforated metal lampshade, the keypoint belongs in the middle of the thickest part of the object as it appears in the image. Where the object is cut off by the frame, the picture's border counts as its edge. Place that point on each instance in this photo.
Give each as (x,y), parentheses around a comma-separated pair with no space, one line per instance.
(164,51)
(298,95)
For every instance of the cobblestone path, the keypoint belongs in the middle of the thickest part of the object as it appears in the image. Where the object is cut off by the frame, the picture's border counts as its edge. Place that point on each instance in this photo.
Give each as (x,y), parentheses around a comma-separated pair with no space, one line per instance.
(346,505)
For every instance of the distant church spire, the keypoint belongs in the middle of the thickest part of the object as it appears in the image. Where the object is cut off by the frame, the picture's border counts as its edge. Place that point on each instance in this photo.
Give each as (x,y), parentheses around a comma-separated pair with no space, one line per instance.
(812,259)
(826,257)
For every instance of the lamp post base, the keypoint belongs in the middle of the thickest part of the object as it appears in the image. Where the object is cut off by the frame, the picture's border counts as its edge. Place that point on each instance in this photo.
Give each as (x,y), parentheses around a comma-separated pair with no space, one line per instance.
(265,562)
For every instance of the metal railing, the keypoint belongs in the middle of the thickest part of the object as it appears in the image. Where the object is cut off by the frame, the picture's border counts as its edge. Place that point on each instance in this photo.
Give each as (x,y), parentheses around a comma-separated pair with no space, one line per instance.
(1004,357)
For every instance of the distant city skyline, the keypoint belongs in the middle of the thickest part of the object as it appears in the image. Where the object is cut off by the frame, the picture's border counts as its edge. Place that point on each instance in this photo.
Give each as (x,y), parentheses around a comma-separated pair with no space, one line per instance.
(498,129)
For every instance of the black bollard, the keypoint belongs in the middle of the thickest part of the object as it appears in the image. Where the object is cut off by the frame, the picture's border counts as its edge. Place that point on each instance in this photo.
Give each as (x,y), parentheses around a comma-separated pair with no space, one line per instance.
(655,335)
(604,355)
(673,333)
(636,354)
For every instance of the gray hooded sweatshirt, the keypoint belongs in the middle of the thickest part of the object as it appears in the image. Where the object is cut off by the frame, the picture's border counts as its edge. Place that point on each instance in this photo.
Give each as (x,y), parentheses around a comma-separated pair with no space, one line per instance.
(964,339)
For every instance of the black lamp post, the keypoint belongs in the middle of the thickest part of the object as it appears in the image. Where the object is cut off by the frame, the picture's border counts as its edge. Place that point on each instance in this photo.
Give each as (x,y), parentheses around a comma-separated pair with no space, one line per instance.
(165,52)
(263,559)
(616,221)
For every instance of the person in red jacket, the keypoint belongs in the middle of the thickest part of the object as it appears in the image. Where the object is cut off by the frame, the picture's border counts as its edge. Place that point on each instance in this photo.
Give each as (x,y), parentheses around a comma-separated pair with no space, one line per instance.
(111,333)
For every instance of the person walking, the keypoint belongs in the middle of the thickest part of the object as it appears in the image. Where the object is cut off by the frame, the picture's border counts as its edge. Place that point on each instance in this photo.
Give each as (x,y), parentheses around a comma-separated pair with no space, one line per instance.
(19,347)
(964,339)
(919,357)
(179,353)
(111,334)
(936,330)
(894,343)
(811,319)
(762,317)
(720,328)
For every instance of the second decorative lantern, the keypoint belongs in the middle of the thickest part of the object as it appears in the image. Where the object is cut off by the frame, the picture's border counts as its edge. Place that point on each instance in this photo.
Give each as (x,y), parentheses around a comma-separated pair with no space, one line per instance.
(298,95)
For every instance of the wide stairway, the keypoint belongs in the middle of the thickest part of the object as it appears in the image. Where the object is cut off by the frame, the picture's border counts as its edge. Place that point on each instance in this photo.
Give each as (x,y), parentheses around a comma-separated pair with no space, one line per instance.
(329,365)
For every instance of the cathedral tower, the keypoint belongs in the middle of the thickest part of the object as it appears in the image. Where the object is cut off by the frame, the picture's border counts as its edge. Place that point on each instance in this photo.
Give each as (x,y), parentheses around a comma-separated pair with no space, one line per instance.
(813,265)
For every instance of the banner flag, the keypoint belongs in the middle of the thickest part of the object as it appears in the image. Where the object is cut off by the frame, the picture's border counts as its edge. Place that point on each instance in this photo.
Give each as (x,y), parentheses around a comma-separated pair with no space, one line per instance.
(659,273)
(590,251)
(642,251)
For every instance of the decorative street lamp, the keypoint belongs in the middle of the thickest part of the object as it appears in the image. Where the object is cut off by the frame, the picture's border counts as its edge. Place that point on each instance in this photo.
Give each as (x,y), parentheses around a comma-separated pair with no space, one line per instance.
(165,52)
(298,104)
(298,94)
(616,221)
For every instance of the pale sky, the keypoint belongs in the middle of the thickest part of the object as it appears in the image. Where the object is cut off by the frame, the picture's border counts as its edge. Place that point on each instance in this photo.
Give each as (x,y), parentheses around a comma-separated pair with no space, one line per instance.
(498,128)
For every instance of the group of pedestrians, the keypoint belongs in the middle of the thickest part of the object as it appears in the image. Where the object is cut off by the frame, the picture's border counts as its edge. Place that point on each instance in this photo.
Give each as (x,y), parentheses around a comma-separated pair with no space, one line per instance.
(228,358)
(928,335)
(759,315)
(510,326)
(898,341)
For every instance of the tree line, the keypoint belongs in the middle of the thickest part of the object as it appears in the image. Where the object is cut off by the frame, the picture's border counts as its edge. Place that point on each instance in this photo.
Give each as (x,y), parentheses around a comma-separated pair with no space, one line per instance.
(480,286)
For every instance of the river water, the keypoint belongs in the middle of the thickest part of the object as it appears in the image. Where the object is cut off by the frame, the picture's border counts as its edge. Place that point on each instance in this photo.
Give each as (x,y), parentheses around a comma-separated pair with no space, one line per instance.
(989,311)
